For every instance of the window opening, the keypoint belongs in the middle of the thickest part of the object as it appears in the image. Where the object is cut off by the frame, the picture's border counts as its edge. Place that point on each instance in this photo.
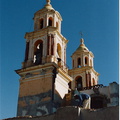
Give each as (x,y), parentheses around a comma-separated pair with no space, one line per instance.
(50,21)
(41,23)
(38,53)
(79,62)
(79,83)
(86,61)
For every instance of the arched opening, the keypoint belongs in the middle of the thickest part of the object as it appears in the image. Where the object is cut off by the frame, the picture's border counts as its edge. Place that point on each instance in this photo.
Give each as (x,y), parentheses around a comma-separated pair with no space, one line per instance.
(86,60)
(38,52)
(98,101)
(79,62)
(41,23)
(79,84)
(50,21)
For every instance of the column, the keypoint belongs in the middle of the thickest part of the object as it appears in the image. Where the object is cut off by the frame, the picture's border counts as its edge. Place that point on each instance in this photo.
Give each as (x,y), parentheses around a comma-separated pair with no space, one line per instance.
(49,44)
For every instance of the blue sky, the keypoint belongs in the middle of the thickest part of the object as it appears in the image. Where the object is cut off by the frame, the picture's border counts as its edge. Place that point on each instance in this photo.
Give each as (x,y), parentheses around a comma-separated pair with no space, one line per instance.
(97,19)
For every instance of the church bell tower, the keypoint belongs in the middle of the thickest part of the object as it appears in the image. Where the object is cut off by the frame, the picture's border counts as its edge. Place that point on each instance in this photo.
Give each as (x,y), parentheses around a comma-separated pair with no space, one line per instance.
(44,76)
(83,73)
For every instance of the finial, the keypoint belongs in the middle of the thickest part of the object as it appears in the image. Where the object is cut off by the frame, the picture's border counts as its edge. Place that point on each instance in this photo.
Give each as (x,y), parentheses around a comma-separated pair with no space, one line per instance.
(82,41)
(48,5)
(48,1)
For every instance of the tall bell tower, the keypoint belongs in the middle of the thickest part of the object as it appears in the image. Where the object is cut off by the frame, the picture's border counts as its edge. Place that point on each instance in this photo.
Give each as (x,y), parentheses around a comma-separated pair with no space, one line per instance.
(44,76)
(83,73)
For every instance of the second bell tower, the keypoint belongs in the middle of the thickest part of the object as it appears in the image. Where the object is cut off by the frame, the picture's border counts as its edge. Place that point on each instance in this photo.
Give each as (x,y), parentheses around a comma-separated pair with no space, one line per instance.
(44,76)
(83,73)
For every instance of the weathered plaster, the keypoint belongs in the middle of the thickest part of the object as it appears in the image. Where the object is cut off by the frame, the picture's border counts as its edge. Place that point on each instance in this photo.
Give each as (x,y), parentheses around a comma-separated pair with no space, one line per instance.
(36,105)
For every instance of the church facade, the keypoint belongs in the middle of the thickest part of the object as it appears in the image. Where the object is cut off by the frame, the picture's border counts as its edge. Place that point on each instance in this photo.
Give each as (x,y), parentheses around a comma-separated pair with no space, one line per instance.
(45,81)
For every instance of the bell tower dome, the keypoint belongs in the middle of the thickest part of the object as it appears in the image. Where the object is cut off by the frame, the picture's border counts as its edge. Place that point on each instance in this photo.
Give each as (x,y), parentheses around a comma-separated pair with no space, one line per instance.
(47,17)
(83,55)
(83,73)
